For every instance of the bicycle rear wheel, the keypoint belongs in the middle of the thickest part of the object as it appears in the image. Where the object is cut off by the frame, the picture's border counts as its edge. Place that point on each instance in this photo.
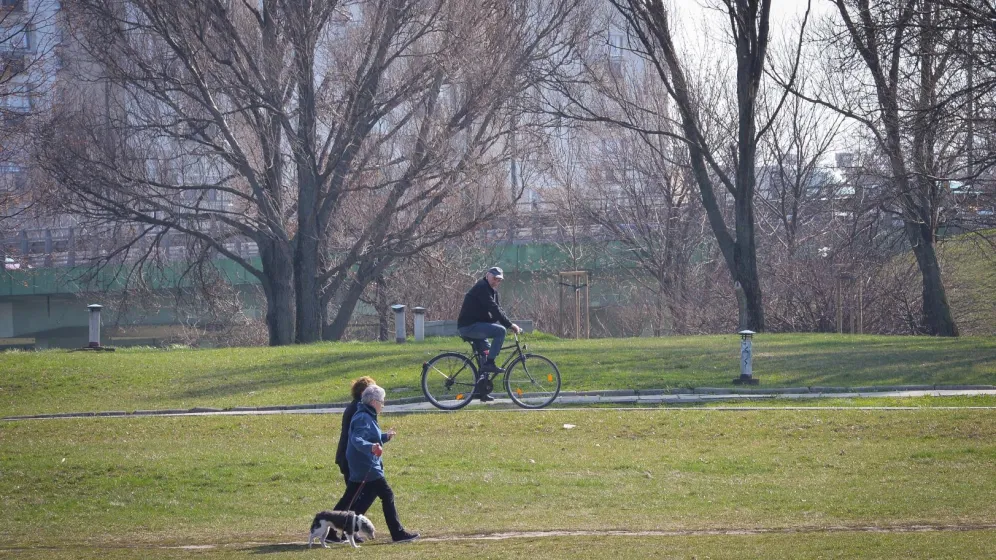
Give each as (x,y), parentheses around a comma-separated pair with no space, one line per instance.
(532,381)
(448,380)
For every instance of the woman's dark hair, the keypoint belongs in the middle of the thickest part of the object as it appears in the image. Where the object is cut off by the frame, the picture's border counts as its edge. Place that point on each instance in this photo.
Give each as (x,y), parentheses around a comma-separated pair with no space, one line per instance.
(359,385)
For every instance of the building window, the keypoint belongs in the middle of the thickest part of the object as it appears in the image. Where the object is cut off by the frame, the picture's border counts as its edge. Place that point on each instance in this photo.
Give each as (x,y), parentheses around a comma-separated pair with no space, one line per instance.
(13,178)
(617,45)
(17,38)
(18,103)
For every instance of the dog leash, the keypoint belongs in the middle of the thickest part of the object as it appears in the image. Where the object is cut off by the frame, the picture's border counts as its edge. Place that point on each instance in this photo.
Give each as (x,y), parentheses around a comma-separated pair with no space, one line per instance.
(359,490)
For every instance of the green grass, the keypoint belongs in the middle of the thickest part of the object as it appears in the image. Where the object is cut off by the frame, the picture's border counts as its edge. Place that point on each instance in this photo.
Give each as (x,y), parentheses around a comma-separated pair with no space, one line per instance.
(969,265)
(698,482)
(139,379)
(101,487)
(845,545)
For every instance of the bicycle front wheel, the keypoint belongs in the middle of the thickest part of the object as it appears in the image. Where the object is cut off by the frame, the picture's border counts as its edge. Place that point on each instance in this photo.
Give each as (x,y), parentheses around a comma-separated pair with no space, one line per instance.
(532,381)
(448,380)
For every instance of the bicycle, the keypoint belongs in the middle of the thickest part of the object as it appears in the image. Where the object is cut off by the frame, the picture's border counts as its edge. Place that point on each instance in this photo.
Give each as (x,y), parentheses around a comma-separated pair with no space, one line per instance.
(449,379)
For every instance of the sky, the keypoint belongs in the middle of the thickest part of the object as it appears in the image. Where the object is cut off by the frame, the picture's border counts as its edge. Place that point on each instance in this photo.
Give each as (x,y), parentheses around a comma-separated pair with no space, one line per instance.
(701,17)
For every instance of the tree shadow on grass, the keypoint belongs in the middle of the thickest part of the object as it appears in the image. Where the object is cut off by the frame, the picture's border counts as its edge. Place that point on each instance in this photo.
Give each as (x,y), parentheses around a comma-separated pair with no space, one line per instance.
(877,366)
(304,370)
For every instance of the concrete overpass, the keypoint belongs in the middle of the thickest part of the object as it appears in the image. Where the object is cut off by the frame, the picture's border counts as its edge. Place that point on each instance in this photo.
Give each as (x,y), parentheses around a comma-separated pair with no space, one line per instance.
(43,302)
(46,307)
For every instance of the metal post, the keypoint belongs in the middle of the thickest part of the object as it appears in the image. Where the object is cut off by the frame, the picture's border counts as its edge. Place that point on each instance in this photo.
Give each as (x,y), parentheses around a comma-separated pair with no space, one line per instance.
(840,313)
(94,325)
(560,315)
(399,322)
(861,310)
(587,306)
(746,357)
(71,258)
(419,323)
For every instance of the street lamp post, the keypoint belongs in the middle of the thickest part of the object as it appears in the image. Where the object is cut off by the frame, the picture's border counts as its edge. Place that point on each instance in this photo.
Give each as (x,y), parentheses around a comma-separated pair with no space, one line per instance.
(746,357)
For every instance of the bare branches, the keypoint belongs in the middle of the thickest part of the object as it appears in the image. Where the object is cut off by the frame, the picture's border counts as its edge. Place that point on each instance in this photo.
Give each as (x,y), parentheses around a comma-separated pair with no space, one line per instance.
(340,136)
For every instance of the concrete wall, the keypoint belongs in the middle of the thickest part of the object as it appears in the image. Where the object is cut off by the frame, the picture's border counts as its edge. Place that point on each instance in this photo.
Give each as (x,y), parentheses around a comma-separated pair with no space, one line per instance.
(6,320)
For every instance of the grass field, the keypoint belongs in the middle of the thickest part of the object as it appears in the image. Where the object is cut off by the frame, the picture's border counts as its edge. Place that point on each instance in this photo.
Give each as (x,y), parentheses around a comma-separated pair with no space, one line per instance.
(696,482)
(969,263)
(141,379)
(487,483)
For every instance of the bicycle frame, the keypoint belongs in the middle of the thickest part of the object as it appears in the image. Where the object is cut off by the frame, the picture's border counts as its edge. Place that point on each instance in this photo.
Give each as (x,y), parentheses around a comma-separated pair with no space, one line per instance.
(519,349)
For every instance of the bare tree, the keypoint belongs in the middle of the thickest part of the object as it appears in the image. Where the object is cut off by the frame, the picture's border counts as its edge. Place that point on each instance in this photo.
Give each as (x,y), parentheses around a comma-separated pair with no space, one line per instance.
(336,136)
(799,183)
(721,169)
(892,69)
(639,197)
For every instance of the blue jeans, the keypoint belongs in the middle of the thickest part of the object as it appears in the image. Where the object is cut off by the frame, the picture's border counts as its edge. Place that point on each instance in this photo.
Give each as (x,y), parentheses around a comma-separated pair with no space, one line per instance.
(484,331)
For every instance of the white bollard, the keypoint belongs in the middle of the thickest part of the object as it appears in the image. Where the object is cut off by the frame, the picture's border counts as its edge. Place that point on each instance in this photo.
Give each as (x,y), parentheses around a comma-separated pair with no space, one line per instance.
(746,359)
(399,322)
(419,323)
(94,325)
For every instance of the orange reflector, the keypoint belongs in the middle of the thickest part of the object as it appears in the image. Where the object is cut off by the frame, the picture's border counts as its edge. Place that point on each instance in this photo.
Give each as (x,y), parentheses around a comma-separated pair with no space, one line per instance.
(549,377)
(459,396)
(518,391)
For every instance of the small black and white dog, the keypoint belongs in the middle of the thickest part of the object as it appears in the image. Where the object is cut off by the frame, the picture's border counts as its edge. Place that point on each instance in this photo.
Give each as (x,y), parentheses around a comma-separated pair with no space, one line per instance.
(348,522)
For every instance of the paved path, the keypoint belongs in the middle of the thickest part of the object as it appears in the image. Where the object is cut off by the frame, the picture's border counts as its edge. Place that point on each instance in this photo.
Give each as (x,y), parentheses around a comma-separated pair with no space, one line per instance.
(640,397)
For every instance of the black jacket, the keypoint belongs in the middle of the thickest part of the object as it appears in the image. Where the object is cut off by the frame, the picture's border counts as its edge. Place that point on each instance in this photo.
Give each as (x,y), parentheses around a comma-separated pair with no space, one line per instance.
(480,305)
(340,453)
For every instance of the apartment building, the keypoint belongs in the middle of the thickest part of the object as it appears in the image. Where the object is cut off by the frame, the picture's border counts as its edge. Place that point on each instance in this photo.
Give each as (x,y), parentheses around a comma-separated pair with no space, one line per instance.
(30,61)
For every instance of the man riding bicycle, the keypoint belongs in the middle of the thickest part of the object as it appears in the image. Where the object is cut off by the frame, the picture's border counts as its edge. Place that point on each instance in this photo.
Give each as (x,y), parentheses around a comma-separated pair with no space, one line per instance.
(481,317)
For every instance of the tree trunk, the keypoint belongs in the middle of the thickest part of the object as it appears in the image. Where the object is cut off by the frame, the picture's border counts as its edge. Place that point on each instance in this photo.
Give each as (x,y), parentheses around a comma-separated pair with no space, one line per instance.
(279,290)
(745,258)
(337,328)
(307,246)
(937,320)
(383,311)
(307,302)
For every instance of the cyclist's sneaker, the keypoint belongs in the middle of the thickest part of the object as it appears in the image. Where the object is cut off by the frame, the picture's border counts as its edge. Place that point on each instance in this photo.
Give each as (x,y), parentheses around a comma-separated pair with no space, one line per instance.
(490,367)
(405,536)
(485,397)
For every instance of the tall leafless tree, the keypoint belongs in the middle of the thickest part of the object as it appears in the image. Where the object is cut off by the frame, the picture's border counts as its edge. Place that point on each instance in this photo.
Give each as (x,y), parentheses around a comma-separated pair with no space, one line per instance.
(892,69)
(339,136)
(721,169)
